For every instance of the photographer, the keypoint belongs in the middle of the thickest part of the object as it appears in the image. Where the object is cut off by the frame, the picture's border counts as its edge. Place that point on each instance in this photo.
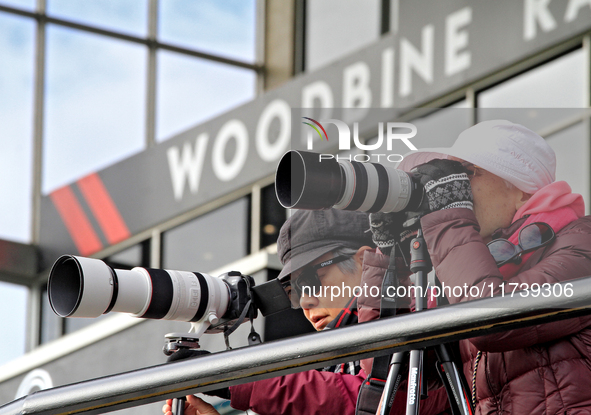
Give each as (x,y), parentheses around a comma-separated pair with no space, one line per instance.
(319,249)
(494,216)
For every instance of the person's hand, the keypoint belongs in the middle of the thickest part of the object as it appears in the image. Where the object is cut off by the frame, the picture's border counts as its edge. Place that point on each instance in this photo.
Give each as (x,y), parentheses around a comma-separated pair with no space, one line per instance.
(446,185)
(395,227)
(193,406)
(385,229)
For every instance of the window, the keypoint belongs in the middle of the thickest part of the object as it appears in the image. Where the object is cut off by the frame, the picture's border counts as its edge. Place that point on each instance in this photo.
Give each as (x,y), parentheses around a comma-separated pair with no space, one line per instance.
(335,28)
(572,159)
(192,90)
(134,256)
(441,128)
(272,216)
(120,15)
(437,128)
(52,326)
(210,241)
(22,4)
(16,120)
(557,84)
(95,104)
(13,303)
(225,28)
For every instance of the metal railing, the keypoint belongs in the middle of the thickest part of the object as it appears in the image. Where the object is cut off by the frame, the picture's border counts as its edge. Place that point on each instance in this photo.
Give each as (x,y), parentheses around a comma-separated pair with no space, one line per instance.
(405,332)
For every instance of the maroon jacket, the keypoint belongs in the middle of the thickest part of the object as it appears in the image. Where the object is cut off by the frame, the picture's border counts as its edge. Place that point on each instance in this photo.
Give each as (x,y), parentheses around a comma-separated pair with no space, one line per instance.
(330,391)
(545,369)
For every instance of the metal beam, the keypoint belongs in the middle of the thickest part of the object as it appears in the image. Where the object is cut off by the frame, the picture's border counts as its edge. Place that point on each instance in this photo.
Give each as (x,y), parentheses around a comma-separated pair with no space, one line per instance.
(306,352)
(19,263)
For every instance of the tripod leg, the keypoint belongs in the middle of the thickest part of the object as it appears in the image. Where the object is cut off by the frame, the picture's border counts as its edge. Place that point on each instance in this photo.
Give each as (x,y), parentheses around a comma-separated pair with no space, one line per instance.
(392,383)
(178,406)
(454,381)
(415,373)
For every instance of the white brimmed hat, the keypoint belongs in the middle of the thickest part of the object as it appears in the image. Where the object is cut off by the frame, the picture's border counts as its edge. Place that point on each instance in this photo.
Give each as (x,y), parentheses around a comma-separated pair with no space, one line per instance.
(508,150)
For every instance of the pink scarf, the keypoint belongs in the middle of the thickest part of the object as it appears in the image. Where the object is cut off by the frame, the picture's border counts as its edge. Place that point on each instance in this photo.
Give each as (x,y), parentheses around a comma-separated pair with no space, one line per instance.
(554,204)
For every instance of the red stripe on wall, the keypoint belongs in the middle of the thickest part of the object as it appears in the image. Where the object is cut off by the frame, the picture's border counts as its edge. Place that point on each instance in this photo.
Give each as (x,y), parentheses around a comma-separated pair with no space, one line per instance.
(77,224)
(103,208)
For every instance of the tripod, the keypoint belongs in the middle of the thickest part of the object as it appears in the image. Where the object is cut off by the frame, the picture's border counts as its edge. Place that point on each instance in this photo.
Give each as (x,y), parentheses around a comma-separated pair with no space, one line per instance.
(187,345)
(453,380)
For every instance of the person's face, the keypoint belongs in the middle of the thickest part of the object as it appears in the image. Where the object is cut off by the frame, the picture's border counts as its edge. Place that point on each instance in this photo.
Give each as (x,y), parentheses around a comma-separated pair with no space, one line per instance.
(323,309)
(495,204)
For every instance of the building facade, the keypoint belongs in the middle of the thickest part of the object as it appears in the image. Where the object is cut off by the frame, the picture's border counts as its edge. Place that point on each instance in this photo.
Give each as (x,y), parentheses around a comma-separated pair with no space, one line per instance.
(147,133)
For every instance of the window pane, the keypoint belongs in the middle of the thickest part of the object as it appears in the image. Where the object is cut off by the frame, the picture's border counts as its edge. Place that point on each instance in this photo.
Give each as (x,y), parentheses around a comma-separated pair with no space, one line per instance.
(536,119)
(572,159)
(210,241)
(134,256)
(73,324)
(226,28)
(16,121)
(556,84)
(23,4)
(13,308)
(192,90)
(95,104)
(439,128)
(272,216)
(120,15)
(335,28)
(51,323)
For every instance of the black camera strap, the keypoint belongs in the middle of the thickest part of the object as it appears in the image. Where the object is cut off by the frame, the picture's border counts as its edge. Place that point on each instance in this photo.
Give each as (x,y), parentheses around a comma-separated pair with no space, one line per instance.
(372,388)
(253,337)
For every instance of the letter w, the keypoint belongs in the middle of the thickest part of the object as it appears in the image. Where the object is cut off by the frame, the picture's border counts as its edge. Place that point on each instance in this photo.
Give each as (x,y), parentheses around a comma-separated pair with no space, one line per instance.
(188,165)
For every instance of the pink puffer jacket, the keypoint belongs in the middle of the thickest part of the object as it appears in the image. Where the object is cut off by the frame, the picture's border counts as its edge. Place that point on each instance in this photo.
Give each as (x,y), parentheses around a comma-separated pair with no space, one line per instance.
(545,369)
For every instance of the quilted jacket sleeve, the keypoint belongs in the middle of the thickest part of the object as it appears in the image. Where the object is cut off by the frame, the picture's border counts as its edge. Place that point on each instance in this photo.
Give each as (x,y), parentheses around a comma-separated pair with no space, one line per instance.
(461,258)
(305,393)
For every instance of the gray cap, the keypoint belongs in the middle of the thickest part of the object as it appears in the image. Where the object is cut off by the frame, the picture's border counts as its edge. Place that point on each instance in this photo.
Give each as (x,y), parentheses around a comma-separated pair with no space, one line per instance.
(309,234)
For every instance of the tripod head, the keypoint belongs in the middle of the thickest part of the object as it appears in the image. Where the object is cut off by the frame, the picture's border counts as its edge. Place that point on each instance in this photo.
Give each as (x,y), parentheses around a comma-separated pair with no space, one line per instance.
(180,341)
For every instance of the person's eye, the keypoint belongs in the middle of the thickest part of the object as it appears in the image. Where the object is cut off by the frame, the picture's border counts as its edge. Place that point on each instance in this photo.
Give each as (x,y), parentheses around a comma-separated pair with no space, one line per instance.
(321,275)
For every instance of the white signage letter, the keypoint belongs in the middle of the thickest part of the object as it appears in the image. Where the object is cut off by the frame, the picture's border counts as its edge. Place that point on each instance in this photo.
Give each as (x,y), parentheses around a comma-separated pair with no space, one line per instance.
(456,40)
(537,11)
(573,8)
(387,100)
(189,165)
(411,59)
(356,92)
(275,109)
(231,129)
(320,91)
